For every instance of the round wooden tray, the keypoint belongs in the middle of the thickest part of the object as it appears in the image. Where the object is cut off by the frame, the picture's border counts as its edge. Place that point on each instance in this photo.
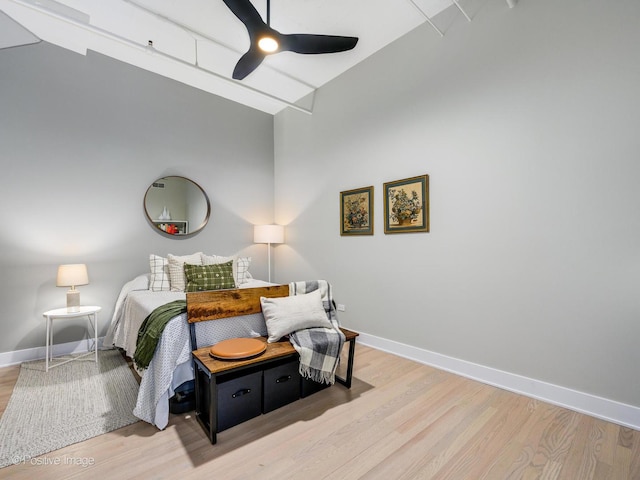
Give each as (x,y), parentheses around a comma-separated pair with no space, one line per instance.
(238,348)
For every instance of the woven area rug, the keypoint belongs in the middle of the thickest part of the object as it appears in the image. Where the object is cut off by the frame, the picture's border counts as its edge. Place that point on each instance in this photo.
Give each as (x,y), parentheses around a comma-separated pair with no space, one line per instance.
(68,404)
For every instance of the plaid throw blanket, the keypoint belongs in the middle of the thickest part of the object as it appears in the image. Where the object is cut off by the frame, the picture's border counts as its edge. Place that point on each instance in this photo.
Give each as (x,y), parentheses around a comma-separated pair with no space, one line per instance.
(319,348)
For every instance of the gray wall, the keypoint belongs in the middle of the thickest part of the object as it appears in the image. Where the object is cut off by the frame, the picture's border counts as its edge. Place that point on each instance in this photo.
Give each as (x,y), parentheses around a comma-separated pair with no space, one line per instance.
(81,139)
(527,122)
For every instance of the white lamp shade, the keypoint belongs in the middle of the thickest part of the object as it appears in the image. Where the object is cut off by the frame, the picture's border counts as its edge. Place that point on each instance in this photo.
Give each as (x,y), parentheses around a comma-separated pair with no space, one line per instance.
(268,234)
(72,275)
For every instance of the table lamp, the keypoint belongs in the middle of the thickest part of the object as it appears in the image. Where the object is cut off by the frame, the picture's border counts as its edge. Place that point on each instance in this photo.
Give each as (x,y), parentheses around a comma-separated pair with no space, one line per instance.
(71,276)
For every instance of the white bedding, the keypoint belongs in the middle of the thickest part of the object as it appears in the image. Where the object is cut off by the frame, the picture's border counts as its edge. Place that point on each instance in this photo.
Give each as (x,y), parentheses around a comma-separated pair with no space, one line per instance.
(171,364)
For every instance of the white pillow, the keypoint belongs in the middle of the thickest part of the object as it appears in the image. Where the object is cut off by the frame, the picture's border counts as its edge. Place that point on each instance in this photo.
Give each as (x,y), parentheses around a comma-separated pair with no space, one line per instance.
(159,280)
(285,315)
(176,269)
(240,266)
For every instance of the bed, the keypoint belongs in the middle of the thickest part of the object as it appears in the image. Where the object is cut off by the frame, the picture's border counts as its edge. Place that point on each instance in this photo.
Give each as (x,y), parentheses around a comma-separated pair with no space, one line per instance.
(171,365)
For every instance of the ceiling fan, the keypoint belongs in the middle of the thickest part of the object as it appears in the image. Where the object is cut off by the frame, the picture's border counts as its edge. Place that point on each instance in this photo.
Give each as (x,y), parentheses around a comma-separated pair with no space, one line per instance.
(265,40)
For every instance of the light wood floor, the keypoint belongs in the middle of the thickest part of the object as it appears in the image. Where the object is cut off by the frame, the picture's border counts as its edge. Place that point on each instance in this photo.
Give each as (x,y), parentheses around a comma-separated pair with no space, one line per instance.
(400,420)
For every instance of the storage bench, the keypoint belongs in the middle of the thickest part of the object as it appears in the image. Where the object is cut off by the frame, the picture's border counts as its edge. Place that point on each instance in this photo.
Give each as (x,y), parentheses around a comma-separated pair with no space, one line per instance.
(229,392)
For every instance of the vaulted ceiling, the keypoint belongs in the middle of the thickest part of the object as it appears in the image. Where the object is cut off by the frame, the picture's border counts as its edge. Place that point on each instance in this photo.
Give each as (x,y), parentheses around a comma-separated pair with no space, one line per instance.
(198,42)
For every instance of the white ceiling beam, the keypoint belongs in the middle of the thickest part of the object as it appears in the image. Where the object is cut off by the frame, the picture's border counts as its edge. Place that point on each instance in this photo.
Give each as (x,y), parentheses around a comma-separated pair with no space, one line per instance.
(183,66)
(203,36)
(12,34)
(460,8)
(426,17)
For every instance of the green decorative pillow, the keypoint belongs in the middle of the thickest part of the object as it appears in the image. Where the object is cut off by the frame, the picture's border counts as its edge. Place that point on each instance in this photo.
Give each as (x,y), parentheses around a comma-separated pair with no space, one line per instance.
(209,277)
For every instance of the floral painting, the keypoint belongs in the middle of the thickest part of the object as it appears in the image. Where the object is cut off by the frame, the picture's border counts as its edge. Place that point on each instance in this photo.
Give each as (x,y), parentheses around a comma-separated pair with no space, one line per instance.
(406,205)
(356,211)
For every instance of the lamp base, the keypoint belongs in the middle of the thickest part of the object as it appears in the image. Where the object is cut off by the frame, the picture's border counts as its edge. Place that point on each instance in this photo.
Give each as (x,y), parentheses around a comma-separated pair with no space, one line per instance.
(73,300)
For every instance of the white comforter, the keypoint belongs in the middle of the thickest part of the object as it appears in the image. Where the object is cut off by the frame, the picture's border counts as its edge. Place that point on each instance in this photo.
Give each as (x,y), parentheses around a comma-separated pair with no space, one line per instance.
(171,365)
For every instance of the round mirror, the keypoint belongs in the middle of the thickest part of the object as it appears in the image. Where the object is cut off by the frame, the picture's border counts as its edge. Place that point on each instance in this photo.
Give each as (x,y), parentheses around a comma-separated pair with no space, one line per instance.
(176,206)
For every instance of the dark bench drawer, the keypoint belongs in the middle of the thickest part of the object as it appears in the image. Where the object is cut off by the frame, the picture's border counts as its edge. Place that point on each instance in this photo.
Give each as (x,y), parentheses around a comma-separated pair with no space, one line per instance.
(239,400)
(281,385)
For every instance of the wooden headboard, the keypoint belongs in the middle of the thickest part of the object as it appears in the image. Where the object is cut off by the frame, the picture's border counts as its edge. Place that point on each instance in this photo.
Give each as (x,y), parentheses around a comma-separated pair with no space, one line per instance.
(216,304)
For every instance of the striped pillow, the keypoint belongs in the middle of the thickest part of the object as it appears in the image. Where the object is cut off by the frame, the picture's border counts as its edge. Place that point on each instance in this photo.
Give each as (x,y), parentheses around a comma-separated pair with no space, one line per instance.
(159,281)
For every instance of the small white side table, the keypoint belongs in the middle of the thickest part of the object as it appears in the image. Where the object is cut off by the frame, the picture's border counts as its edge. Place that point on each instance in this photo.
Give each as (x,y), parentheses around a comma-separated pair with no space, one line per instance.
(91,312)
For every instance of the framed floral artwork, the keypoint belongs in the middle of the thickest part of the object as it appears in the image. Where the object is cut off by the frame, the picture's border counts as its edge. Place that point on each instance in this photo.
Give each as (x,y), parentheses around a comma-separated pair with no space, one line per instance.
(356,211)
(406,205)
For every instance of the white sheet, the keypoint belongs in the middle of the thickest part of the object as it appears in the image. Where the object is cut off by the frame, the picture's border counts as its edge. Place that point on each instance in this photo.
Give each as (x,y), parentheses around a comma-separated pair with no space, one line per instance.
(171,364)
(137,306)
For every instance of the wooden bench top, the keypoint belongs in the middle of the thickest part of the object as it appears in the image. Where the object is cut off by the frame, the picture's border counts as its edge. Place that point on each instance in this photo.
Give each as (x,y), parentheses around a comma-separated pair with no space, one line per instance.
(275,350)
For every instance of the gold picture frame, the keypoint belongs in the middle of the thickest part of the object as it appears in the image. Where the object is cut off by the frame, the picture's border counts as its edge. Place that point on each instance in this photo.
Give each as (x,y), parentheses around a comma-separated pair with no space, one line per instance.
(406,205)
(356,211)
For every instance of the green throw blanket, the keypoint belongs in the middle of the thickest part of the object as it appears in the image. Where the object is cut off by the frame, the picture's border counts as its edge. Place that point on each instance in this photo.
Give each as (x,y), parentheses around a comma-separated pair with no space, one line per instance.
(151,330)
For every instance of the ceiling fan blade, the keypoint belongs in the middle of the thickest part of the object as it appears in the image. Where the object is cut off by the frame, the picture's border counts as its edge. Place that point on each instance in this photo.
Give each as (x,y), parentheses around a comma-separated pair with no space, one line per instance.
(311,44)
(298,43)
(246,13)
(248,63)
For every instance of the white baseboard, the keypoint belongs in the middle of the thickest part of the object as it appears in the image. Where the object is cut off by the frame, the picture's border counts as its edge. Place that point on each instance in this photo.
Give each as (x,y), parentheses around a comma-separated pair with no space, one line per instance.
(605,409)
(39,353)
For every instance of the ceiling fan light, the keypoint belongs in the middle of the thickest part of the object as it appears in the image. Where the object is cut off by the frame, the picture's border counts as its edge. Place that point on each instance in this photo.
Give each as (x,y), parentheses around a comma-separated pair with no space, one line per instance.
(268,44)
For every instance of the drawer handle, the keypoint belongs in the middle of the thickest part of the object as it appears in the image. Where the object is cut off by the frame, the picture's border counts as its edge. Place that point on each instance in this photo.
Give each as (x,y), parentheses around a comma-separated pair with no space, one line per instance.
(283,379)
(239,393)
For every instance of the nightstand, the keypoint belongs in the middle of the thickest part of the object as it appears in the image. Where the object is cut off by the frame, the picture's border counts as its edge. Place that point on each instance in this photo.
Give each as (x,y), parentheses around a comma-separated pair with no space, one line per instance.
(91,312)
